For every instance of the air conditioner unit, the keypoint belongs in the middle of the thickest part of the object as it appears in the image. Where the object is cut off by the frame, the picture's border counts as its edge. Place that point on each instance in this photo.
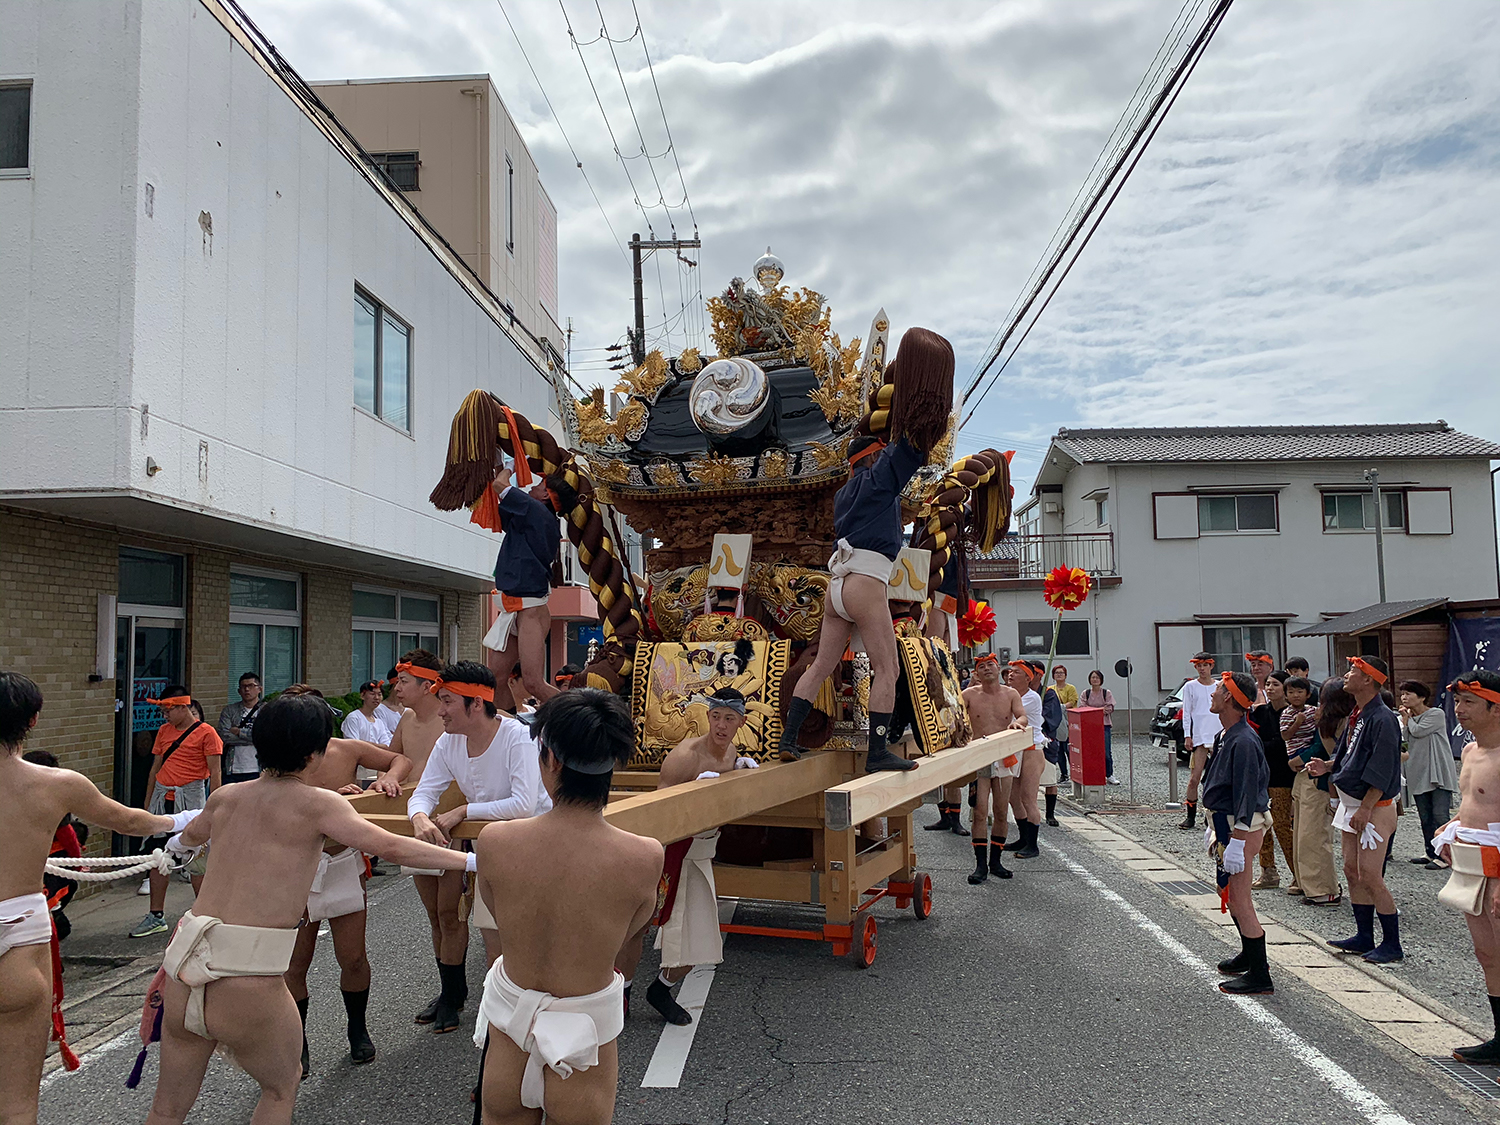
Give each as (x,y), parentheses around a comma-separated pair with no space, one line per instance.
(1052,508)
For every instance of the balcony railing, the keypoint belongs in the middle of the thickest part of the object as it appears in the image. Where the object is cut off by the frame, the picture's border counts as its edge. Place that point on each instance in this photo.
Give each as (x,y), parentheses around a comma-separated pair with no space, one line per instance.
(1033,555)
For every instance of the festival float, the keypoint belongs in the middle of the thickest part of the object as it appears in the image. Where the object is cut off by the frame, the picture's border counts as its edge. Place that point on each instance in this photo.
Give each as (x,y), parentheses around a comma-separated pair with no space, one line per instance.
(730,464)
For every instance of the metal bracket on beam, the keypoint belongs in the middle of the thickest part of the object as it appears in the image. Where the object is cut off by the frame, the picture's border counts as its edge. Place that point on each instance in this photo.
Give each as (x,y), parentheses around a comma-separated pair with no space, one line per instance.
(836,810)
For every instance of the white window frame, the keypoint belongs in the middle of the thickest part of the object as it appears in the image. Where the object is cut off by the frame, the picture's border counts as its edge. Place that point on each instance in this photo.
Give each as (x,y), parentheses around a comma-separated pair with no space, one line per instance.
(1237,530)
(242,615)
(399,625)
(1368,498)
(1101,511)
(382,310)
(30,85)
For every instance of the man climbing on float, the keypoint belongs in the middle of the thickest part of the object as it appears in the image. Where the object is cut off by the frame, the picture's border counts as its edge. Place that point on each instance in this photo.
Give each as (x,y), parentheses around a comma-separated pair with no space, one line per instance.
(867,523)
(523,576)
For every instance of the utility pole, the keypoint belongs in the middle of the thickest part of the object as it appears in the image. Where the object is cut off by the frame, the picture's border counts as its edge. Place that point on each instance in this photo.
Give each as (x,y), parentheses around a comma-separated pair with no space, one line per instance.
(638,334)
(1373,477)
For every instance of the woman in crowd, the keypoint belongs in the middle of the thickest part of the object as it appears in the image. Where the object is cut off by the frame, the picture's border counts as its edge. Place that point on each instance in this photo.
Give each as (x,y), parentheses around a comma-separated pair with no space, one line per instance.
(1098,695)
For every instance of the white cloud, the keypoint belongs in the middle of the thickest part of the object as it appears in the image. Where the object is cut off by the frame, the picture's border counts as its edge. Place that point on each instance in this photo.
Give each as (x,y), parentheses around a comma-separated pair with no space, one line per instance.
(1313,235)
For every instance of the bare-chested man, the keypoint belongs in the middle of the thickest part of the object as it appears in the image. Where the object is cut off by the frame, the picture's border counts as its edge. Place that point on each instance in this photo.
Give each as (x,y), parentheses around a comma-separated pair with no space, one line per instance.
(1472,842)
(993,707)
(338,895)
(225,964)
(688,922)
(574,889)
(33,801)
(416,734)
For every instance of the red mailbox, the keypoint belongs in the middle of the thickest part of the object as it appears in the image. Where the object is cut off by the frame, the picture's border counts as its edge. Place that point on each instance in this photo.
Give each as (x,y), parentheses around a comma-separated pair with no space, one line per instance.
(1086,745)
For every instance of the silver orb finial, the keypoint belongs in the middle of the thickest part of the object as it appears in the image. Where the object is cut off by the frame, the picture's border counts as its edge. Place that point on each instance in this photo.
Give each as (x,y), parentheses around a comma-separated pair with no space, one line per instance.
(769,271)
(728,395)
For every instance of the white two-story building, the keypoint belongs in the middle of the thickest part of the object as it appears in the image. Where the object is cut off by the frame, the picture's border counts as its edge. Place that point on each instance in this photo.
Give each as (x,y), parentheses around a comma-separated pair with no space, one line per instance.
(229,359)
(1230,539)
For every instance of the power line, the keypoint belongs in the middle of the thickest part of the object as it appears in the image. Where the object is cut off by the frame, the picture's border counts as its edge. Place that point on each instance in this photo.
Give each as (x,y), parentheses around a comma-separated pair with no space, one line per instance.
(1119,173)
(671,144)
(561,130)
(630,105)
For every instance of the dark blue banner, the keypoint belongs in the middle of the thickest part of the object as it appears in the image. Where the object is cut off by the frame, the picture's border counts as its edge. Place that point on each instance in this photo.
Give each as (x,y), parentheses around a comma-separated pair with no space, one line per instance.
(1472,643)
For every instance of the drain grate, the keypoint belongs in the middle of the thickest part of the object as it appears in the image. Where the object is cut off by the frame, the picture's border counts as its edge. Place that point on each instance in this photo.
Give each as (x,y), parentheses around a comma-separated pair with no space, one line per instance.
(1483,1080)
(1189,887)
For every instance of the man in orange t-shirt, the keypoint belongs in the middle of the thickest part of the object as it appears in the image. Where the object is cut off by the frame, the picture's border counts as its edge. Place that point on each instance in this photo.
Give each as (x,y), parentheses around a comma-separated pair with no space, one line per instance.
(186,761)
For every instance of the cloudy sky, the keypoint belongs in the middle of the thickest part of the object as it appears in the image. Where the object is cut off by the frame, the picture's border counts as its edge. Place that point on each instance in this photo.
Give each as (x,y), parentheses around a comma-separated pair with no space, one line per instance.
(1312,237)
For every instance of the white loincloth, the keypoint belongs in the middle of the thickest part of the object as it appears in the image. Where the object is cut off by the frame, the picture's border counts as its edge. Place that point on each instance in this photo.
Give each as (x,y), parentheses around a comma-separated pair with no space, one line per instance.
(505,621)
(1467,883)
(205,949)
(480,914)
(560,1033)
(690,936)
(1051,774)
(336,888)
(24,920)
(847,560)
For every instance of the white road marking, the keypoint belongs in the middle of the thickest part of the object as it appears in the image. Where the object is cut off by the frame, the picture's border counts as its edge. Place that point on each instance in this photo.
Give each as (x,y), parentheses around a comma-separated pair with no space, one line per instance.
(1368,1104)
(84,1060)
(670,1057)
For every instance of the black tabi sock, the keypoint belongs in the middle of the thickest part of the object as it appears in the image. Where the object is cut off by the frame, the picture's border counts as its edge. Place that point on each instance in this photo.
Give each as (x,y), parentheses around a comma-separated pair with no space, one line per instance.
(1051,805)
(302,1011)
(355,1005)
(880,725)
(796,715)
(455,984)
(1495,1013)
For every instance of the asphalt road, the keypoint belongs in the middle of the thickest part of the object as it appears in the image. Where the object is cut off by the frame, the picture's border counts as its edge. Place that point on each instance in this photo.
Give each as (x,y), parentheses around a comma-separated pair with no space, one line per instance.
(1073,992)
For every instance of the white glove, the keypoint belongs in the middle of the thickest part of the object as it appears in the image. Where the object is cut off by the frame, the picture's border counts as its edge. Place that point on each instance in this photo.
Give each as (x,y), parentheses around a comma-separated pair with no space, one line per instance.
(1209,837)
(743,763)
(178,850)
(471,862)
(181,820)
(705,773)
(1369,839)
(1234,856)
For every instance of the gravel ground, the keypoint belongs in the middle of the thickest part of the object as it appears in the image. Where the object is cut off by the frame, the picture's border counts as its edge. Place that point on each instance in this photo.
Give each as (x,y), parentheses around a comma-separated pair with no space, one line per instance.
(1439,958)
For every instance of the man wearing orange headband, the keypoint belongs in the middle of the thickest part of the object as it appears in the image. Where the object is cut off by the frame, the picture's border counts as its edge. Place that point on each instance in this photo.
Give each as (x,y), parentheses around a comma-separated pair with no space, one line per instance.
(1199,726)
(185,763)
(1024,678)
(1235,802)
(1366,777)
(993,707)
(492,760)
(523,576)
(1471,843)
(867,525)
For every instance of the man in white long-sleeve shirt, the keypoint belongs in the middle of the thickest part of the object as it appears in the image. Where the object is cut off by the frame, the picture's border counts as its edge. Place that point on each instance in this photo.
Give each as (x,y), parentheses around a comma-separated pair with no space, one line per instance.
(1199,725)
(493,760)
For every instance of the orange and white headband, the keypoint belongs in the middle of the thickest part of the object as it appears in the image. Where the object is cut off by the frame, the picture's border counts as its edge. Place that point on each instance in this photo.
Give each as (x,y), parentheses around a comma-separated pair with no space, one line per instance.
(986,658)
(1474,687)
(868,451)
(1227,679)
(172,701)
(1253,659)
(1203,662)
(1368,669)
(419,672)
(472,691)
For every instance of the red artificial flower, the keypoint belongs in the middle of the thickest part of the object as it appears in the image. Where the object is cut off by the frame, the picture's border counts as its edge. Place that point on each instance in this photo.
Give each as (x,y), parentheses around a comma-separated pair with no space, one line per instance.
(1067,587)
(977,625)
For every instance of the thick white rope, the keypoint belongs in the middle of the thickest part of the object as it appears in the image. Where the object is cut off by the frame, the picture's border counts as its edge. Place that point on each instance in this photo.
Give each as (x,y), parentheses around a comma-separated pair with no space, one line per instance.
(125,866)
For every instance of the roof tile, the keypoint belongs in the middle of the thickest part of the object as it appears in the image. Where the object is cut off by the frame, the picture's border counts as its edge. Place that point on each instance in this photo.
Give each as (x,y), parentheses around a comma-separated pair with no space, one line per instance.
(1272,443)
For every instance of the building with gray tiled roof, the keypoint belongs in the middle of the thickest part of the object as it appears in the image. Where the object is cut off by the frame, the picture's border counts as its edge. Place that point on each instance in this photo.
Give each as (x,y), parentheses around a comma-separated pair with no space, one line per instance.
(1234,538)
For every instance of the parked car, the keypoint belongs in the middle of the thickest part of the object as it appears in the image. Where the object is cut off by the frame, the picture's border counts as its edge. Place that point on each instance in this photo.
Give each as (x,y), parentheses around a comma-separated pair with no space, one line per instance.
(1166,725)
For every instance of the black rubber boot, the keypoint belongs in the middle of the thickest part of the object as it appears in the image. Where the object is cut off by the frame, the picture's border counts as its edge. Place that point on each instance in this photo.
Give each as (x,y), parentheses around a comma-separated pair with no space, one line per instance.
(1191,821)
(981,870)
(306,1058)
(627,1001)
(1389,949)
(944,820)
(796,715)
(1483,1054)
(880,756)
(1256,980)
(1051,810)
(660,997)
(957,824)
(361,1049)
(429,1013)
(1029,832)
(1364,939)
(1240,962)
(445,1019)
(998,869)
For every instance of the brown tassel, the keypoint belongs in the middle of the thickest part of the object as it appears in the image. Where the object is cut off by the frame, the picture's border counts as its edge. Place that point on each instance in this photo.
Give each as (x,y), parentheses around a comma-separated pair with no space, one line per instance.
(924,389)
(473,441)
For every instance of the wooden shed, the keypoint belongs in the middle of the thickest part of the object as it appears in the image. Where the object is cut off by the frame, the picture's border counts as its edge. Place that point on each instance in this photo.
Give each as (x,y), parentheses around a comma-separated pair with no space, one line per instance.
(1411,636)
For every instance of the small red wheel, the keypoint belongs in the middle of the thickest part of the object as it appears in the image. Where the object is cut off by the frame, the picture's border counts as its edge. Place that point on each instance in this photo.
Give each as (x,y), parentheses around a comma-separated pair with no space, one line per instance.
(865,951)
(921,903)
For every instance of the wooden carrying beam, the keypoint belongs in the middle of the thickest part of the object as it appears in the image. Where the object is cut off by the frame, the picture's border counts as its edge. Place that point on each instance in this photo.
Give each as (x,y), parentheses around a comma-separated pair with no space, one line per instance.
(872,795)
